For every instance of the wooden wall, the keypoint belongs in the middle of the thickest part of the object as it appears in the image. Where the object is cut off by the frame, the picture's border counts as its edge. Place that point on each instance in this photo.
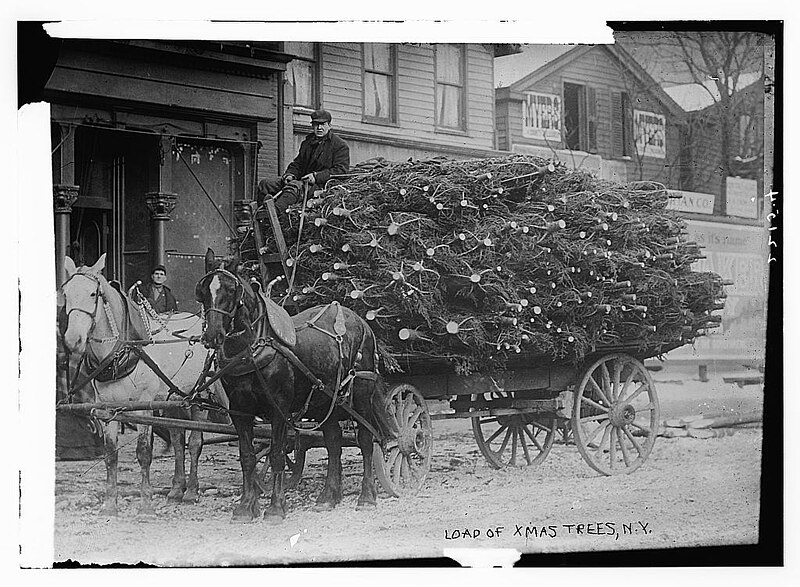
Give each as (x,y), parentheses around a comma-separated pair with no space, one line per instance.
(415,130)
(597,68)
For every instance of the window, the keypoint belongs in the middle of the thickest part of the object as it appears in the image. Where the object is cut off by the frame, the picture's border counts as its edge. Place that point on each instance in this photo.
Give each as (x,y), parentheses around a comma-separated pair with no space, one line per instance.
(379,82)
(575,117)
(301,72)
(450,87)
(748,137)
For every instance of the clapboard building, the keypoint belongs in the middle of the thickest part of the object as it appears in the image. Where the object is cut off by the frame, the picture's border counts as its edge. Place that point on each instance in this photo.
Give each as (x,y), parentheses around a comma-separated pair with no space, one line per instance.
(592,107)
(156,144)
(398,100)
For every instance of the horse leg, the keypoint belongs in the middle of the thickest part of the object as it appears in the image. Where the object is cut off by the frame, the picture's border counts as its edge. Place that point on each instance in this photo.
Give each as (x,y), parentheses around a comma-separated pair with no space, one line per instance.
(144,454)
(277,460)
(369,494)
(247,509)
(110,434)
(195,448)
(177,437)
(332,491)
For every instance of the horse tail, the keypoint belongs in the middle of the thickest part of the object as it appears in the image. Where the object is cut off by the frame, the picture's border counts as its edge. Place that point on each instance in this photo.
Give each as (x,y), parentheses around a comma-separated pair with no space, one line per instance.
(377,399)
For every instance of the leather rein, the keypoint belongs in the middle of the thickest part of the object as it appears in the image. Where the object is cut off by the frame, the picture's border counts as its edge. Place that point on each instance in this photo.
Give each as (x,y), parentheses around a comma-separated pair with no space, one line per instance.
(260,329)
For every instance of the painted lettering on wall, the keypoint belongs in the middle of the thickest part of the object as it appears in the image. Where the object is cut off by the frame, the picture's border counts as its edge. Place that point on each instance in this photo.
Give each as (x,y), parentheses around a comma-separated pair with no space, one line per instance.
(651,135)
(541,116)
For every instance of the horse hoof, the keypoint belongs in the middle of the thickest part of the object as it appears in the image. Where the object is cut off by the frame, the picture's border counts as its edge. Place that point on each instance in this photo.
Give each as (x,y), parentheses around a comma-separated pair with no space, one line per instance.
(274,518)
(191,497)
(366,506)
(242,519)
(176,496)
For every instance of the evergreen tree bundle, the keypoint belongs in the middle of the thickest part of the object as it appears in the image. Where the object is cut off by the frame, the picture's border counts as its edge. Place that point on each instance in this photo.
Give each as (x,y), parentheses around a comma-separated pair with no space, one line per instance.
(481,261)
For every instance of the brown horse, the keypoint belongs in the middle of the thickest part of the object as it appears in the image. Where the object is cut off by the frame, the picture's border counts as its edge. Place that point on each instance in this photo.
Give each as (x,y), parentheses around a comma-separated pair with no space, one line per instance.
(267,377)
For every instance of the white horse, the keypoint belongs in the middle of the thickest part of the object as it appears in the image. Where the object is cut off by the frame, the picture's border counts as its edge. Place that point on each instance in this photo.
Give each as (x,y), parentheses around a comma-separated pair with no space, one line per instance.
(98,318)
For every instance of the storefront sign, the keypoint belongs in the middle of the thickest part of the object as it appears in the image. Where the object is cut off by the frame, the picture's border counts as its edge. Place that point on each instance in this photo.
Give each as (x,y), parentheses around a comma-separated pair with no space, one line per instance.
(741,197)
(739,254)
(651,135)
(691,202)
(541,117)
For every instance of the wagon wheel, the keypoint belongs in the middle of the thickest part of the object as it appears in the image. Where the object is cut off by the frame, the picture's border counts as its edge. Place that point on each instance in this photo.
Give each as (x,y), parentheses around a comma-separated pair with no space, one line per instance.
(515,440)
(403,463)
(615,416)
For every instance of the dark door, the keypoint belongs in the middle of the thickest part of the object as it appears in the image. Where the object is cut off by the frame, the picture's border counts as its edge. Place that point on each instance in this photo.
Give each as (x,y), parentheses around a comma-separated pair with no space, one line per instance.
(575,117)
(114,170)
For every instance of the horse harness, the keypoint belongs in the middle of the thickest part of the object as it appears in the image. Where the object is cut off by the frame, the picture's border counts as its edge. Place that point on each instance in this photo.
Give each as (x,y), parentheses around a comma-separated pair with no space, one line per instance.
(341,395)
(125,354)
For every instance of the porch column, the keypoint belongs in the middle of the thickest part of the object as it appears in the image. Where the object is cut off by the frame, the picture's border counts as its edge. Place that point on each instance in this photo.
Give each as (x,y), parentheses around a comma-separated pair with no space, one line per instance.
(161,205)
(64,196)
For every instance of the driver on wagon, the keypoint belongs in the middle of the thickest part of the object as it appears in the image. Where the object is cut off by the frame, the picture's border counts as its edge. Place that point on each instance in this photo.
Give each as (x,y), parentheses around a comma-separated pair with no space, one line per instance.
(322,154)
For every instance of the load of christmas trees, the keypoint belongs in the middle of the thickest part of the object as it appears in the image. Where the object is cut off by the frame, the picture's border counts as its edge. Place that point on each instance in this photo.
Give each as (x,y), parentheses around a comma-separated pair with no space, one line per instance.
(477,262)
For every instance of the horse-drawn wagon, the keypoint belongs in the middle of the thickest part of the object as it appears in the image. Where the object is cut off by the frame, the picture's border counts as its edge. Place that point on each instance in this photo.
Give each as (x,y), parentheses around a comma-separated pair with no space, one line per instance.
(607,404)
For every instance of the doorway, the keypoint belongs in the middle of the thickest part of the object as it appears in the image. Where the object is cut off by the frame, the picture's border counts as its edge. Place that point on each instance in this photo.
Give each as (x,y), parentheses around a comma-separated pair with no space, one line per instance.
(114,169)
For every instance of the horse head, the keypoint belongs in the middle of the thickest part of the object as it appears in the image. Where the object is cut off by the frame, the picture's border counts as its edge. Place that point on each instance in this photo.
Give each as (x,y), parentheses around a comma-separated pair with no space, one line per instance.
(229,304)
(83,294)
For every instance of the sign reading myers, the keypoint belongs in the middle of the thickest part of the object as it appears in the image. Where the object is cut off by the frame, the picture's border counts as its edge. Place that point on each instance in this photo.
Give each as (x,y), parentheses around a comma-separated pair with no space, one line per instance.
(696,202)
(651,134)
(541,117)
(741,197)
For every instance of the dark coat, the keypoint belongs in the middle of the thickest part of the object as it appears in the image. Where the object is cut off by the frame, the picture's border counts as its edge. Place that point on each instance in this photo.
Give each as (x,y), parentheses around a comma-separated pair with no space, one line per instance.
(330,157)
(166,302)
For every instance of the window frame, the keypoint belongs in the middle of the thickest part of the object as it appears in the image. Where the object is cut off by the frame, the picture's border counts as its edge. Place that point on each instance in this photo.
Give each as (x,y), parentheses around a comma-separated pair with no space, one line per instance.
(392,120)
(583,116)
(316,79)
(462,128)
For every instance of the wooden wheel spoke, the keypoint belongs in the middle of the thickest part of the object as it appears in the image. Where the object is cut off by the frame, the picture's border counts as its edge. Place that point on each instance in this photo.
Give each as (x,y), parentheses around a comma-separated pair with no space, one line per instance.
(513,460)
(533,438)
(633,440)
(602,427)
(612,447)
(496,434)
(504,444)
(627,383)
(606,378)
(625,455)
(615,382)
(524,445)
(396,464)
(414,416)
(594,404)
(603,416)
(642,428)
(646,408)
(606,432)
(599,391)
(636,393)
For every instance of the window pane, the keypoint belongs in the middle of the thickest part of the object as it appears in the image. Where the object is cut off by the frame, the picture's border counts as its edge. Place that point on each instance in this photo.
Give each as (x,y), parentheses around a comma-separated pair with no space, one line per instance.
(378,57)
(377,96)
(305,50)
(449,102)
(449,64)
(301,76)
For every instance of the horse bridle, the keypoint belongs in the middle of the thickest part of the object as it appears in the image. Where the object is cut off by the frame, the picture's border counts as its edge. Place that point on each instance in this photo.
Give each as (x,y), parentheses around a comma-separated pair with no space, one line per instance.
(99,294)
(238,295)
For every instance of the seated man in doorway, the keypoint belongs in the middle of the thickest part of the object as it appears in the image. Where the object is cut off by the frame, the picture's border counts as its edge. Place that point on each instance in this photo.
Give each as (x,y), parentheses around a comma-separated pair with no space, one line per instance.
(322,154)
(158,294)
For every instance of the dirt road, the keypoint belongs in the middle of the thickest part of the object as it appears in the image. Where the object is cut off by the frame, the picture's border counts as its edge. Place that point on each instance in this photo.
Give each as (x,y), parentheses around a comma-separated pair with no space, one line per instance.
(690,492)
